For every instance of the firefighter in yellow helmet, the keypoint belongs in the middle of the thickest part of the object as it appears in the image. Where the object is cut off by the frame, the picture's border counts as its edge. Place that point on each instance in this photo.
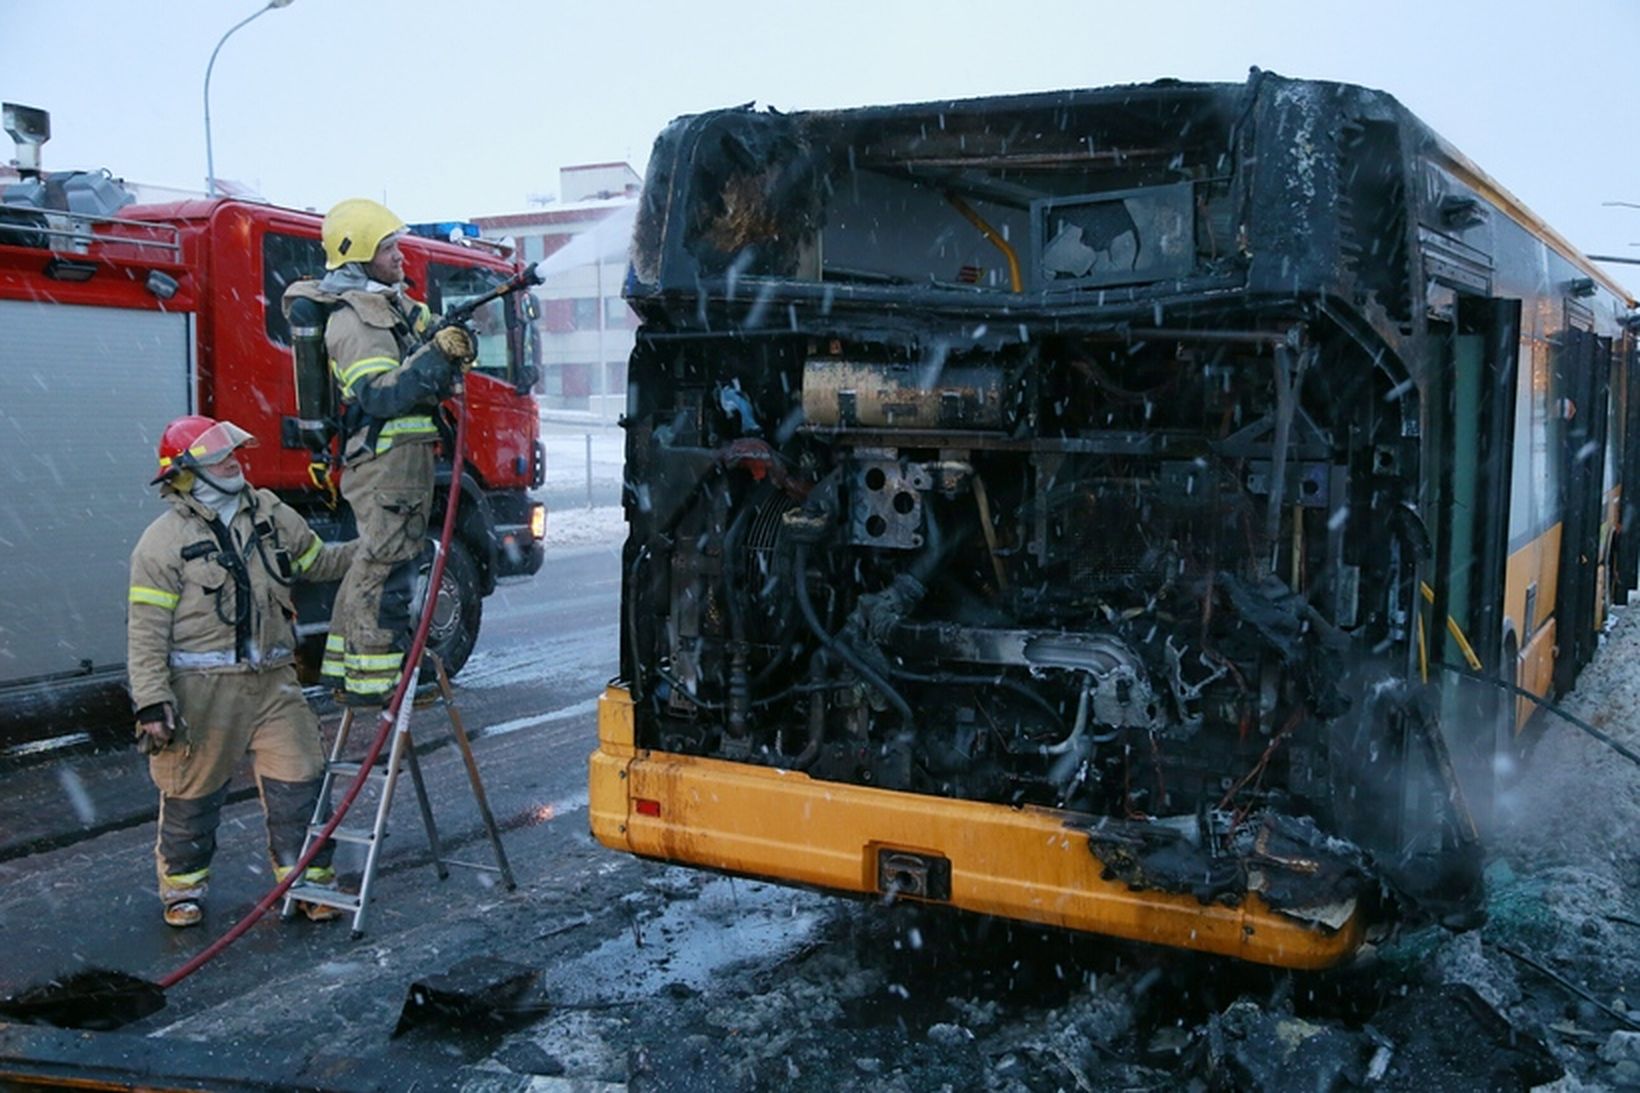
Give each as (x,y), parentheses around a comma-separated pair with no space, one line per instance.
(391,384)
(210,654)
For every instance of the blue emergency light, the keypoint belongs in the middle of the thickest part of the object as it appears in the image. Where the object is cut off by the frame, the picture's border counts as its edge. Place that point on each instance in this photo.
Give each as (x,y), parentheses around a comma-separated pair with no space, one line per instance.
(445,230)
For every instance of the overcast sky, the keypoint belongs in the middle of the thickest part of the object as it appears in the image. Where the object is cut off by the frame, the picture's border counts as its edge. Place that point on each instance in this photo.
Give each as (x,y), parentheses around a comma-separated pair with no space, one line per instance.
(456,109)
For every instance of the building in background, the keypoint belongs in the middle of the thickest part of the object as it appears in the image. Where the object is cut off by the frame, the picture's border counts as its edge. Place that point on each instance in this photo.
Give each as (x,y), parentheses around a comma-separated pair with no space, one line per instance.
(586,327)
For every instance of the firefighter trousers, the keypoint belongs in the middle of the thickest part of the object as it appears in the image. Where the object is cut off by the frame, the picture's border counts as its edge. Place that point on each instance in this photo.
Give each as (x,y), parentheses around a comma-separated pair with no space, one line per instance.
(225,715)
(391,496)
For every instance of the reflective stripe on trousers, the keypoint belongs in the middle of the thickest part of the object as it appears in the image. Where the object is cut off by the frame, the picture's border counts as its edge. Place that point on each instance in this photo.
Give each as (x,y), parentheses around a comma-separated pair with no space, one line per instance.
(223,716)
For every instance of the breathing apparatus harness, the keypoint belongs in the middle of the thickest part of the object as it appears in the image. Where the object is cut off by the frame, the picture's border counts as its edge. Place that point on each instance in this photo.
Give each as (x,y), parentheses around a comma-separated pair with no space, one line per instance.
(394,713)
(228,555)
(354,418)
(338,418)
(328,420)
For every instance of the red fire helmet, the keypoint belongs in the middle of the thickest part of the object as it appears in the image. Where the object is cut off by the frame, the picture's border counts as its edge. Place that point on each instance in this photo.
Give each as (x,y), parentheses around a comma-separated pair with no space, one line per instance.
(194,441)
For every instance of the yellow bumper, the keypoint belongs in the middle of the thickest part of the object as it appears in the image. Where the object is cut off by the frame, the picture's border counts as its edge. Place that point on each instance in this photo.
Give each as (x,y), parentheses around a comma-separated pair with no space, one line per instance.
(1018,863)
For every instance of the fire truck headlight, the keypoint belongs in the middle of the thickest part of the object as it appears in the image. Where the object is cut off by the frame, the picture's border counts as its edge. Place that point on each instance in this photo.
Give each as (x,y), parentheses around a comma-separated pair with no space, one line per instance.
(162,285)
(538,521)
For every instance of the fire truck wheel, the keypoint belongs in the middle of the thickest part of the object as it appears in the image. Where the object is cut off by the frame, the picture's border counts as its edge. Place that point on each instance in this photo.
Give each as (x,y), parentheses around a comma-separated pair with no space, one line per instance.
(459,610)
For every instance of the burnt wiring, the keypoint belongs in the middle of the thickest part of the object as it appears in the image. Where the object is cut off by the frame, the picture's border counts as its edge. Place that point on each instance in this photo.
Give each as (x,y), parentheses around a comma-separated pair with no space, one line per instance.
(683,689)
(1101,379)
(1566,984)
(1145,530)
(631,614)
(1145,542)
(972,680)
(841,648)
(1257,770)
(795,689)
(740,695)
(1156,765)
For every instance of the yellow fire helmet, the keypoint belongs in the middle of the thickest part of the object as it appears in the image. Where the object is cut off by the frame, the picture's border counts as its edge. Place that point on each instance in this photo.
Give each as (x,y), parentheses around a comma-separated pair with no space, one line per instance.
(354,229)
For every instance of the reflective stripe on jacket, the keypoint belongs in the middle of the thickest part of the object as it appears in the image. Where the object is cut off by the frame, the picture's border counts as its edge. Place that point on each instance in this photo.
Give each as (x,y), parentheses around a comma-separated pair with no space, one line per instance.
(181,611)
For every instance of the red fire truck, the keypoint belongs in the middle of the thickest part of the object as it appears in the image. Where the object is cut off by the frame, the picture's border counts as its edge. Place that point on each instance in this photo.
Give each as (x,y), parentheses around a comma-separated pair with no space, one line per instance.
(119,313)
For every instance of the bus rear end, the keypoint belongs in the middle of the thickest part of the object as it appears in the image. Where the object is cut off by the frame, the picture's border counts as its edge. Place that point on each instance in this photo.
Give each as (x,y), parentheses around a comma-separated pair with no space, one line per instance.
(984,548)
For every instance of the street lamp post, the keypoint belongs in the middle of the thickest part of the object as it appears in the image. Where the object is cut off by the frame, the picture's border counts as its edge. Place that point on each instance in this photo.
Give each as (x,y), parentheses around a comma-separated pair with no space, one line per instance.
(603,368)
(210,162)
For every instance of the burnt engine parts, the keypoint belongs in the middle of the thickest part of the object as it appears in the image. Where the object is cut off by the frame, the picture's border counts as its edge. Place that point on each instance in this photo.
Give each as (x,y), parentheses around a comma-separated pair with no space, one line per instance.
(1116,577)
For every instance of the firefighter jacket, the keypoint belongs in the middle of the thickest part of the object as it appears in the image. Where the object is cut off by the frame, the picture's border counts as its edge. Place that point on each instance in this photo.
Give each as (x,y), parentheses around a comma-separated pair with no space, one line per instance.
(391,383)
(209,598)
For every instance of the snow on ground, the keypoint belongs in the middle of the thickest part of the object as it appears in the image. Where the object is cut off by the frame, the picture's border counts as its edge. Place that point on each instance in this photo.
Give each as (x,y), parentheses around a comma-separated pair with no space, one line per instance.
(518,724)
(556,659)
(1578,801)
(1566,886)
(567,449)
(576,529)
(854,996)
(582,487)
(583,465)
(720,923)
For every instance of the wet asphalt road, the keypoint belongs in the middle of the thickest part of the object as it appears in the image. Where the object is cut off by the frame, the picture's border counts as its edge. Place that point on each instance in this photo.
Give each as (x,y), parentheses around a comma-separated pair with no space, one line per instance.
(648,976)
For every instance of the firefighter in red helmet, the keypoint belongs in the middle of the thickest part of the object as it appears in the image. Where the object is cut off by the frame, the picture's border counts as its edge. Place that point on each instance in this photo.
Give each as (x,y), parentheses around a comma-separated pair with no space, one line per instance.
(210,654)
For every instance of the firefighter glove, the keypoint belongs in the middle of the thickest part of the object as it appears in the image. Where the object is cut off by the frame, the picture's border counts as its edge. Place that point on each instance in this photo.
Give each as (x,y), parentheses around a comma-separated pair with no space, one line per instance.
(155,726)
(456,345)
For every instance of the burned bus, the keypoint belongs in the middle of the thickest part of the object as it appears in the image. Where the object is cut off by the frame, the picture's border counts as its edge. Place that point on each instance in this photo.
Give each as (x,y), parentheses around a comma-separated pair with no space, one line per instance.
(1122,509)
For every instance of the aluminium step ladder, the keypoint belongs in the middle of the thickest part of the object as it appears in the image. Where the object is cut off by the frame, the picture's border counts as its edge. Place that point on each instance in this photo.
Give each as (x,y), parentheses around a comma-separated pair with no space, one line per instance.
(401,756)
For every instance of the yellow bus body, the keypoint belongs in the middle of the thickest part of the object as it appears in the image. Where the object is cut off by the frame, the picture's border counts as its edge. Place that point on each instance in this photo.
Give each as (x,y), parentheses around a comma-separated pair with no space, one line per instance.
(1023,863)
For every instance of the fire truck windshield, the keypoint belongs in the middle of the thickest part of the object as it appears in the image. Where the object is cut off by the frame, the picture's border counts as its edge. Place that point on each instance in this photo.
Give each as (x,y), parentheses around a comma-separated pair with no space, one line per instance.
(499,354)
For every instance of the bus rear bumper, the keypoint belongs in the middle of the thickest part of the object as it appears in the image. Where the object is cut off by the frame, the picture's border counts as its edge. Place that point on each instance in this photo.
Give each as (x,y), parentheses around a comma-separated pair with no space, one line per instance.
(1031,864)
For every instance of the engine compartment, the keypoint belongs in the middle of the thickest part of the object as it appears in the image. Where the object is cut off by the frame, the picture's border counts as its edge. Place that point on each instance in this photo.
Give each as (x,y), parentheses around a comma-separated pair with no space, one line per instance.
(1107,573)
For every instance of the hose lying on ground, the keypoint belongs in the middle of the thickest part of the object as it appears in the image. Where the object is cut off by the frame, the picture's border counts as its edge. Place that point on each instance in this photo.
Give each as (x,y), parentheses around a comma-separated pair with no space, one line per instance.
(1522,692)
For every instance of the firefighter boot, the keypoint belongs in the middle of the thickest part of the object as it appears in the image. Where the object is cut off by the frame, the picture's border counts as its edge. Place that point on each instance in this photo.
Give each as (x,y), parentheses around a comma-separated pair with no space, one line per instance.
(315,877)
(363,703)
(184,912)
(320,912)
(183,896)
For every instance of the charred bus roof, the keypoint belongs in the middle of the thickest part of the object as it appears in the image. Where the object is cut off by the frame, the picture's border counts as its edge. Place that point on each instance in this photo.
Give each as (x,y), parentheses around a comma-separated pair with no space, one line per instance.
(1098,201)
